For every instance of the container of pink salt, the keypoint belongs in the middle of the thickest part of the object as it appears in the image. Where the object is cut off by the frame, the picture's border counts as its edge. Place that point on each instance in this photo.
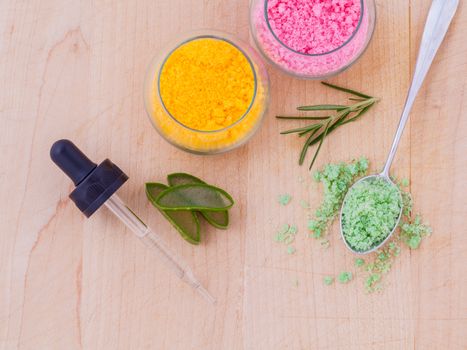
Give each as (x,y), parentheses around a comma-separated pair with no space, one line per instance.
(312,39)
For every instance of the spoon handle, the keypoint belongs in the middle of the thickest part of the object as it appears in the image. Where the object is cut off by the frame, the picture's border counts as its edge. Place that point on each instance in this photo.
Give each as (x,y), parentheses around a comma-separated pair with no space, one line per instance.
(437,24)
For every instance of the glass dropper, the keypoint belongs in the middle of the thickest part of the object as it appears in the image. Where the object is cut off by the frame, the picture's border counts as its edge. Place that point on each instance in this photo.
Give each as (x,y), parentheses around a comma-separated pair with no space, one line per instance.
(96,186)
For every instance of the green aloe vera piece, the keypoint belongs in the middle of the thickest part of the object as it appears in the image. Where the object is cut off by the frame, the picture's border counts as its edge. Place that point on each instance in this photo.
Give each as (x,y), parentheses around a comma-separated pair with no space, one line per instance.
(194,197)
(219,219)
(186,222)
(177,179)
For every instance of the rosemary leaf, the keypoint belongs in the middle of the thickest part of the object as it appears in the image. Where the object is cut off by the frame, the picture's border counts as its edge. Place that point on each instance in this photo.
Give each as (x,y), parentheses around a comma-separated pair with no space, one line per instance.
(353,92)
(359,114)
(300,117)
(306,146)
(342,116)
(303,133)
(299,130)
(322,108)
(320,144)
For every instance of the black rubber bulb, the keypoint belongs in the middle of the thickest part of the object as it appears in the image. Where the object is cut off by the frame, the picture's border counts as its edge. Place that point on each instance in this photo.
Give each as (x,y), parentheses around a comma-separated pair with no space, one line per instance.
(71,160)
(94,183)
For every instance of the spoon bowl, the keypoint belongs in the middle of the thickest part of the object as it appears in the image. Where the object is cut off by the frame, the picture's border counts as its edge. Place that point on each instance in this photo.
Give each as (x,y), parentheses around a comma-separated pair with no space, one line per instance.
(386,178)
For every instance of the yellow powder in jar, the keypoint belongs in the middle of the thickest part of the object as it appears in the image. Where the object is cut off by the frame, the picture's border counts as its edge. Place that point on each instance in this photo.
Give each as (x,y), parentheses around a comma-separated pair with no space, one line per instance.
(207,84)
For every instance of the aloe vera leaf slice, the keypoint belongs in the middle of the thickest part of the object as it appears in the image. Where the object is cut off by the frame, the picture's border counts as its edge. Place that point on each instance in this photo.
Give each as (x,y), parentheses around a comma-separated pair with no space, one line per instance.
(184,221)
(176,179)
(219,219)
(194,197)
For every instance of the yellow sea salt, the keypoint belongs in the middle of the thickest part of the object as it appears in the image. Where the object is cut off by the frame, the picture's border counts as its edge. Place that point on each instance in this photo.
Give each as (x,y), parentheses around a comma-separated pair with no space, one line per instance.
(207,84)
(208,94)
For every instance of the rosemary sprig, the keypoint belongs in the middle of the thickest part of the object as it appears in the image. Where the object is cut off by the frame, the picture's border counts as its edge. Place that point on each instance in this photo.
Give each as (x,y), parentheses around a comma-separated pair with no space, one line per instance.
(324,125)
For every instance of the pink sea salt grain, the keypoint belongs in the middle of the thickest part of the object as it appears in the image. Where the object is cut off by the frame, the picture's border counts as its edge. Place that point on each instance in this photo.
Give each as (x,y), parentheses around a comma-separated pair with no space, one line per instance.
(310,38)
(313,26)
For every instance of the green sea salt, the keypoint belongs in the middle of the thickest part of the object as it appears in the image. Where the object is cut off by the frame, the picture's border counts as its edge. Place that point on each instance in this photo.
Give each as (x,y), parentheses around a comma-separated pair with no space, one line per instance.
(406,203)
(286,235)
(413,232)
(284,199)
(370,213)
(281,235)
(359,262)
(381,265)
(282,231)
(372,282)
(293,229)
(289,239)
(394,248)
(345,277)
(336,180)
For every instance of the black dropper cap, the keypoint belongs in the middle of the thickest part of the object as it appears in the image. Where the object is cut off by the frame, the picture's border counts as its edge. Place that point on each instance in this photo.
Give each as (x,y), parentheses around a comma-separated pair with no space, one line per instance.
(94,183)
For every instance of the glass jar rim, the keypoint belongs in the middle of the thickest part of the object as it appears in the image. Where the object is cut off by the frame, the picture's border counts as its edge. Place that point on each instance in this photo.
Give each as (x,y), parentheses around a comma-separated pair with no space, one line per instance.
(345,43)
(215,37)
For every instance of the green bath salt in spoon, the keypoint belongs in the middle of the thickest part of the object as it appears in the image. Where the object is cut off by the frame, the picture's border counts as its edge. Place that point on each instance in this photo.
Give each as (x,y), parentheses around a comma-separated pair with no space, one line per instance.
(372,208)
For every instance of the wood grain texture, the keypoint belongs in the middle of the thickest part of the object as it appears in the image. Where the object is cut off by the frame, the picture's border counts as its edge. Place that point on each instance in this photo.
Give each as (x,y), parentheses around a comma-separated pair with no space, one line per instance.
(75,69)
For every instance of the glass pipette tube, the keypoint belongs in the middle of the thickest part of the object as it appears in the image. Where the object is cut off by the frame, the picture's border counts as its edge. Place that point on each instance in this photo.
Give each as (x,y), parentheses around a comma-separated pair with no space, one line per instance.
(155,242)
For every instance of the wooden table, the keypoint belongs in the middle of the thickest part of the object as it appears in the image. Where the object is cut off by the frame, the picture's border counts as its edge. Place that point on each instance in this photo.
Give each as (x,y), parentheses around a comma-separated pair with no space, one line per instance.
(75,69)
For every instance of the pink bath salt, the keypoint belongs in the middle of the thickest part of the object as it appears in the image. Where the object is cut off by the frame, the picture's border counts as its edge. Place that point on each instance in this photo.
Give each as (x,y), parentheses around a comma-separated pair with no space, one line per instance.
(313,26)
(311,38)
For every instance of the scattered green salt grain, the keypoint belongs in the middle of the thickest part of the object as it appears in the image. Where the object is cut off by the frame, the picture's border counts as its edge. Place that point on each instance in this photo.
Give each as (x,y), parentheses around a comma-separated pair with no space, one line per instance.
(406,203)
(370,213)
(286,234)
(359,262)
(372,282)
(394,248)
(289,239)
(281,235)
(381,265)
(283,229)
(336,179)
(304,204)
(328,280)
(345,277)
(284,199)
(405,182)
(382,262)
(293,229)
(291,250)
(412,232)
(383,256)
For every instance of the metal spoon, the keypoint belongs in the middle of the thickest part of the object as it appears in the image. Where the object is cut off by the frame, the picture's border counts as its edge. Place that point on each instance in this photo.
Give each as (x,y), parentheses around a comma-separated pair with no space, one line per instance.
(439,18)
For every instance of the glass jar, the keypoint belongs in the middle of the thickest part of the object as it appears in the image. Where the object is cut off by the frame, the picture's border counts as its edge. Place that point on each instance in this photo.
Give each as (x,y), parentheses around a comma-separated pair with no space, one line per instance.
(207,93)
(312,39)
